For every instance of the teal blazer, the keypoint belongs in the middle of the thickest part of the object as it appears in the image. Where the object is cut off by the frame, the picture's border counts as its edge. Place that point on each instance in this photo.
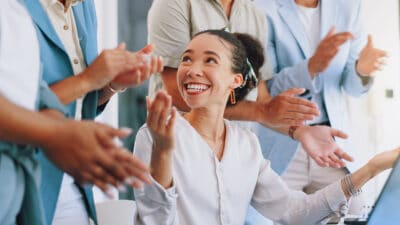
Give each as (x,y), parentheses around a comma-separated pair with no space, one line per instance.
(56,67)
(288,51)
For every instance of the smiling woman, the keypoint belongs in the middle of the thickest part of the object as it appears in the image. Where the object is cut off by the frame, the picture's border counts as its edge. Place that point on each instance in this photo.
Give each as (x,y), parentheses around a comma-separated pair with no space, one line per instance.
(203,72)
(214,166)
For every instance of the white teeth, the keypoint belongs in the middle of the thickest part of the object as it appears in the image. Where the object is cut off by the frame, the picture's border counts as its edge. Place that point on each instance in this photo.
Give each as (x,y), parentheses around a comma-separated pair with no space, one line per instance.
(198,87)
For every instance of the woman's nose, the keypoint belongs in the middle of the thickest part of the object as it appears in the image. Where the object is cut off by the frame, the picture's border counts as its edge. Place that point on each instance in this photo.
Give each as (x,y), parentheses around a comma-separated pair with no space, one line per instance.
(195,70)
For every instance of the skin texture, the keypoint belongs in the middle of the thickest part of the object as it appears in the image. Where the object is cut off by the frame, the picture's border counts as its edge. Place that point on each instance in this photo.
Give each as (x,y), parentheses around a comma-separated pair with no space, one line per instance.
(63,140)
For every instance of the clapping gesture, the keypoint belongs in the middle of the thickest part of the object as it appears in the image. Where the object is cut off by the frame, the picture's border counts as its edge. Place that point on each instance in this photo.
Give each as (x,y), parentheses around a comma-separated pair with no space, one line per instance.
(319,143)
(161,121)
(370,60)
(327,50)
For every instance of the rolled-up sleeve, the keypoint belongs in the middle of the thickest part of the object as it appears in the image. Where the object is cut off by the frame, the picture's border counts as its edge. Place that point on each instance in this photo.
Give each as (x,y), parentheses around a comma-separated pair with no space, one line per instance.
(169,29)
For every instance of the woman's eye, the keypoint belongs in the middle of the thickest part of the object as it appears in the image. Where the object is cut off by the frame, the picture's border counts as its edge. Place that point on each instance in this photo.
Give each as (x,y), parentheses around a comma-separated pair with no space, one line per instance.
(211,60)
(186,59)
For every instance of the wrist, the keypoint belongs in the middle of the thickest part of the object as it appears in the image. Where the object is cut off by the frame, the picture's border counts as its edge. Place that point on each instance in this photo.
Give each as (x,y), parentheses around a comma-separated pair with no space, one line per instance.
(112,87)
(85,83)
(296,131)
(310,68)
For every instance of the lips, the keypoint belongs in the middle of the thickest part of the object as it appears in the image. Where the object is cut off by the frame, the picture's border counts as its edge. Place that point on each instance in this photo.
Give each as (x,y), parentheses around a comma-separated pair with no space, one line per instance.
(196,88)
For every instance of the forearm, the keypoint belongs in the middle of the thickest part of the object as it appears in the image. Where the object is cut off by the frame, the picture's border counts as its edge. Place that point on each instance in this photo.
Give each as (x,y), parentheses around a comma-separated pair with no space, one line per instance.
(23,126)
(71,88)
(358,179)
(161,167)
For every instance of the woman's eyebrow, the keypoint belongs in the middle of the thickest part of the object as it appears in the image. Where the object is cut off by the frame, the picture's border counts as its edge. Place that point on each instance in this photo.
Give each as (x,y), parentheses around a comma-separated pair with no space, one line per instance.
(212,53)
(188,51)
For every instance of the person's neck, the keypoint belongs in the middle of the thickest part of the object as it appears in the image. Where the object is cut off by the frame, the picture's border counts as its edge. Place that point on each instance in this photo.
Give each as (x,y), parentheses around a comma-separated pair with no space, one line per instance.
(307,3)
(208,122)
(227,5)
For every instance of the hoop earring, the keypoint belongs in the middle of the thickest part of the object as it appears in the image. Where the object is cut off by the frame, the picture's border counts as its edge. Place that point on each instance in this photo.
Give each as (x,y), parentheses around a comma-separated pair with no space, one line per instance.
(232,97)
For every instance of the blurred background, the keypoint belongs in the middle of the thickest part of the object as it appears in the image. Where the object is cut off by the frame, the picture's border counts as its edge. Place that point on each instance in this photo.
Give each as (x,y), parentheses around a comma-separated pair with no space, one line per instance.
(375,118)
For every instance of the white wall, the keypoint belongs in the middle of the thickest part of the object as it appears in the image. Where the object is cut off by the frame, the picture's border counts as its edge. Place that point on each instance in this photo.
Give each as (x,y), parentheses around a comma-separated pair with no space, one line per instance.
(375,118)
(107,38)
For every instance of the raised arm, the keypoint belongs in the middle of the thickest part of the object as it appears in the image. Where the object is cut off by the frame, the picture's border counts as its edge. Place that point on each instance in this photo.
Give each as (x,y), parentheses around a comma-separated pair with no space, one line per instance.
(111,71)
(156,203)
(276,201)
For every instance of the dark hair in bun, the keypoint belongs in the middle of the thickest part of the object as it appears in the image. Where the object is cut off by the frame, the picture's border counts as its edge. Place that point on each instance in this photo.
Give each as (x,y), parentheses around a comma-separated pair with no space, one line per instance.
(247,58)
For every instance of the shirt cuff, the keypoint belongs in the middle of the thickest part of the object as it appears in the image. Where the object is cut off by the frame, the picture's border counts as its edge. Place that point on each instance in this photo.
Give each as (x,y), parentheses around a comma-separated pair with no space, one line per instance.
(356,78)
(335,197)
(312,84)
(157,193)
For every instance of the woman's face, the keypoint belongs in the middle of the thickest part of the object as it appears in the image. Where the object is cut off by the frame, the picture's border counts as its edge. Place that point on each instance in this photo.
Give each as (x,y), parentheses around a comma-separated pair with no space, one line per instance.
(205,76)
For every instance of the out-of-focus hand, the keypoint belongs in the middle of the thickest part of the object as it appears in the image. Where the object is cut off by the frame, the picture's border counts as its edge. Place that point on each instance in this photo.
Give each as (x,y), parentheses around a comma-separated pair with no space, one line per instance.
(161,127)
(87,152)
(370,60)
(327,50)
(383,161)
(107,66)
(286,109)
(319,144)
(144,65)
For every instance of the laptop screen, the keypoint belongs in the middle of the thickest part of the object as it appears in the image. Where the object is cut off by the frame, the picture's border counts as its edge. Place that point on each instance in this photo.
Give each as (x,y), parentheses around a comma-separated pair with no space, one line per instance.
(387,207)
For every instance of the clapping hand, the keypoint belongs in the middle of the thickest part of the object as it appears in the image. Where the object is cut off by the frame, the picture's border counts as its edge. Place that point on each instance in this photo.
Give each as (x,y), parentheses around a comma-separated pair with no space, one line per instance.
(370,60)
(86,150)
(327,50)
(143,66)
(286,109)
(161,120)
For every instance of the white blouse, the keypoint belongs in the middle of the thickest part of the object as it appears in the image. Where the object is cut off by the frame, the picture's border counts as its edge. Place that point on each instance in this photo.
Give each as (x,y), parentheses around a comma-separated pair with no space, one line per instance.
(208,191)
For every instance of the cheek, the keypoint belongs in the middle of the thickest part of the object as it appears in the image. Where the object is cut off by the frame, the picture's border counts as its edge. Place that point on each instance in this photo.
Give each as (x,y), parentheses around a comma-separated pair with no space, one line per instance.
(180,74)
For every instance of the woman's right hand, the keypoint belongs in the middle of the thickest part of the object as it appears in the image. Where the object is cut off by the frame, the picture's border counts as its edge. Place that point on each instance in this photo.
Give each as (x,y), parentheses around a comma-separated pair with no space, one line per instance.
(161,127)
(162,130)
(383,161)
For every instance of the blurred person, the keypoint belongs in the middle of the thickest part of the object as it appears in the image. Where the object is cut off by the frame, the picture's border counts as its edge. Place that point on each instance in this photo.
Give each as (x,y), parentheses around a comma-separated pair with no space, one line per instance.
(206,170)
(318,45)
(62,140)
(84,81)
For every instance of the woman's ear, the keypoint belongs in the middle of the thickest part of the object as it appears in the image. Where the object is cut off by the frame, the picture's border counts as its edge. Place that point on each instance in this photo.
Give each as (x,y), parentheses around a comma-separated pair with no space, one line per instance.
(237,80)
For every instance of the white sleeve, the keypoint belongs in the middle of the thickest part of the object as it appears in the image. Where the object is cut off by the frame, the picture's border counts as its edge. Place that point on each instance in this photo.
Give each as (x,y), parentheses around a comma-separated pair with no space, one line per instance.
(154,204)
(276,201)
